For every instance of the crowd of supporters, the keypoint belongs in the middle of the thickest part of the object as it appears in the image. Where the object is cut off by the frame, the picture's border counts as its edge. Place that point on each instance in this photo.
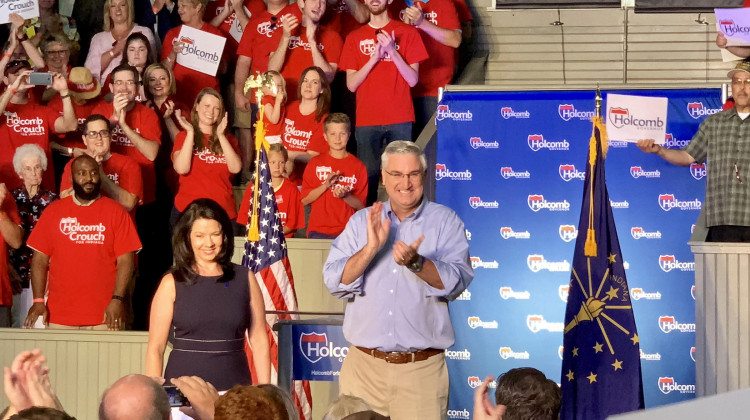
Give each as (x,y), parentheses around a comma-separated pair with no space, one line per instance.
(350,76)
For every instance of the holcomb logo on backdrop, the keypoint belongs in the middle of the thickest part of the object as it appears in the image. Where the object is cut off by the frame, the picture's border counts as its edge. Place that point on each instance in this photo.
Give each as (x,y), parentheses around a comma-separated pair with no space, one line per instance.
(560,352)
(476,202)
(668,384)
(507,172)
(315,346)
(637,293)
(468,234)
(476,143)
(537,142)
(474,382)
(692,291)
(619,204)
(568,172)
(443,112)
(537,323)
(650,356)
(568,111)
(563,291)
(507,112)
(620,117)
(459,414)
(672,143)
(567,232)
(464,354)
(442,171)
(692,353)
(668,323)
(668,202)
(537,263)
(638,232)
(537,202)
(477,262)
(465,295)
(475,322)
(730,28)
(698,170)
(638,172)
(506,292)
(668,263)
(508,232)
(507,353)
(697,110)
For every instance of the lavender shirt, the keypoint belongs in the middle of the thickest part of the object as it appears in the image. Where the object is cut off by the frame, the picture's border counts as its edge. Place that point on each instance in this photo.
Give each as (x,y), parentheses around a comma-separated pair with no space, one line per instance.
(390,308)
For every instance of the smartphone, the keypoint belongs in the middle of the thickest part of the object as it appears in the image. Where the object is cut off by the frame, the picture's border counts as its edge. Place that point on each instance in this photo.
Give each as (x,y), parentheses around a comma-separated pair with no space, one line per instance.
(40,79)
(176,397)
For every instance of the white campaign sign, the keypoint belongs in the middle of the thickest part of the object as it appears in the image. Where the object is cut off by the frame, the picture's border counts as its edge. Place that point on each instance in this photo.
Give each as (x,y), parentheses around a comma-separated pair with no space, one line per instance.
(26,8)
(734,24)
(202,50)
(631,118)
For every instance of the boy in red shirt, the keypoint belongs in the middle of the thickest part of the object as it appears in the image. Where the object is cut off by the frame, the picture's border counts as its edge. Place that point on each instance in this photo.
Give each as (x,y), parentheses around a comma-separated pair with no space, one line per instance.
(288,203)
(334,183)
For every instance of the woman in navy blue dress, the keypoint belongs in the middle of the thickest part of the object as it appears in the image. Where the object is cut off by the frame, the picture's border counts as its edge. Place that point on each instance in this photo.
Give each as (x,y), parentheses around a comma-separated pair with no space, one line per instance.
(210,304)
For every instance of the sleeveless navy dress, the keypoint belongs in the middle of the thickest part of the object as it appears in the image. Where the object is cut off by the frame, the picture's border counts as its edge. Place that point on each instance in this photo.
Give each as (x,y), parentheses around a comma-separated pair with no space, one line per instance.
(209,324)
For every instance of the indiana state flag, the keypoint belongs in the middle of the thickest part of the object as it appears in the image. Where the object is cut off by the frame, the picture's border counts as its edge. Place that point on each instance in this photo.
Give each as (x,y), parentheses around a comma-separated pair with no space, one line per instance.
(601,369)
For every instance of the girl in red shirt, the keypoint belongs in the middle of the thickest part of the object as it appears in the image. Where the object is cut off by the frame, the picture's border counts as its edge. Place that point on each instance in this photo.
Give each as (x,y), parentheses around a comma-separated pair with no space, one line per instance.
(273,107)
(205,156)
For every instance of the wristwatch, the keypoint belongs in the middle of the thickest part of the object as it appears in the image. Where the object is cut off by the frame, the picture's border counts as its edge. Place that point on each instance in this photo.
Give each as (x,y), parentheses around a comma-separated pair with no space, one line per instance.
(416,266)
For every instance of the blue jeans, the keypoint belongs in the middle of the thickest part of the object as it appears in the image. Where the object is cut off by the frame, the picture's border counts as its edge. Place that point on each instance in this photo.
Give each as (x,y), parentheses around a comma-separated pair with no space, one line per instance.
(371,140)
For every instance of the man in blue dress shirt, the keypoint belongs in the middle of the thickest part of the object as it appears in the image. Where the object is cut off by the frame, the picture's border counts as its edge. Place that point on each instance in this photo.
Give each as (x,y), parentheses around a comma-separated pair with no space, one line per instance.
(398,263)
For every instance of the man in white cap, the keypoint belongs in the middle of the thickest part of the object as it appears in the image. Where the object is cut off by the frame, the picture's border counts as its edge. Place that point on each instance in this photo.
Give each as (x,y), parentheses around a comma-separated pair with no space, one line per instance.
(723,139)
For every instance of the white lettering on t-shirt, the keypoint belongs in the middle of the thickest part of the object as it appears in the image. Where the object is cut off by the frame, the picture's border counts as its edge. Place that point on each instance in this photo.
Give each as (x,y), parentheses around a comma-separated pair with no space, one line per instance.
(297,138)
(25,126)
(209,157)
(82,234)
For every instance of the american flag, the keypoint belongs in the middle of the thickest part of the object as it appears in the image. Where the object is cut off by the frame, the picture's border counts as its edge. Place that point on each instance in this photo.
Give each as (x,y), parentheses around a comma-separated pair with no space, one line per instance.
(267,258)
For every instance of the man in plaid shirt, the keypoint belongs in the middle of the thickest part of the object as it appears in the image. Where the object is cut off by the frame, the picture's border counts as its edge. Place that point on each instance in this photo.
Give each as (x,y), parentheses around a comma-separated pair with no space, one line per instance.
(723,139)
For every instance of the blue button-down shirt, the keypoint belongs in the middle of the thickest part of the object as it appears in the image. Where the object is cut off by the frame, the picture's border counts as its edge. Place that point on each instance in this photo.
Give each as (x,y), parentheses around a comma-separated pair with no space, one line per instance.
(390,308)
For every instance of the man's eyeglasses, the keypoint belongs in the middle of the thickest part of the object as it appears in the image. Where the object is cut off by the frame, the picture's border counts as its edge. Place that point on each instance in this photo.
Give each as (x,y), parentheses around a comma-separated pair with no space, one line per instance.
(413,176)
(124,82)
(95,134)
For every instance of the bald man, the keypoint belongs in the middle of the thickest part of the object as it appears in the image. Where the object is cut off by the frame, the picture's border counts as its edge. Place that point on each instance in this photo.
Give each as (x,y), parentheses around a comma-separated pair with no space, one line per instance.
(134,397)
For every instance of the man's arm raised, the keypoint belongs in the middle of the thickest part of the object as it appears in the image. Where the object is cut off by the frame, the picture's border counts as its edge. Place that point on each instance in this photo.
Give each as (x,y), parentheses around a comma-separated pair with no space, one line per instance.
(377,235)
(675,157)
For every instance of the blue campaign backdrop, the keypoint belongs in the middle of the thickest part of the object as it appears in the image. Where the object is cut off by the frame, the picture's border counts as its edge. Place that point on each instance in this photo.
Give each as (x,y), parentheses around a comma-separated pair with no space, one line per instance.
(512,164)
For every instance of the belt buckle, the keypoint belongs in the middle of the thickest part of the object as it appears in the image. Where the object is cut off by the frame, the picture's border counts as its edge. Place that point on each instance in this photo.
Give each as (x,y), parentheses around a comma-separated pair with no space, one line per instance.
(393,357)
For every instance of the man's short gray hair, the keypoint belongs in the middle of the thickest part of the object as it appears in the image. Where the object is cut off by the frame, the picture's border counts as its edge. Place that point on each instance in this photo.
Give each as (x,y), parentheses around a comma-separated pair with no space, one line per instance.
(28,150)
(403,147)
(344,406)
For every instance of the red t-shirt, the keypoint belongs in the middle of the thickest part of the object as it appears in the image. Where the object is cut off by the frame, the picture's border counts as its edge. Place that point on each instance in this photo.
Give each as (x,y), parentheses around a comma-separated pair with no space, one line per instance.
(288,202)
(83,243)
(437,70)
(262,35)
(28,124)
(329,214)
(273,129)
(299,57)
(6,292)
(209,177)
(121,169)
(189,82)
(384,97)
(145,122)
(73,139)
(464,14)
(231,25)
(302,133)
(339,19)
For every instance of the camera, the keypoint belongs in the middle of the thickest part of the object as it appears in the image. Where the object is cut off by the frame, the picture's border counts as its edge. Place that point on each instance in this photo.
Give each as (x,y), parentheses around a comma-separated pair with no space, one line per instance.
(176,397)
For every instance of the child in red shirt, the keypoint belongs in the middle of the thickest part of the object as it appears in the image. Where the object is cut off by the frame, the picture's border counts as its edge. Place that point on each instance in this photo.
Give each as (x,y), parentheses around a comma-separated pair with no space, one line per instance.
(287,195)
(334,183)
(273,108)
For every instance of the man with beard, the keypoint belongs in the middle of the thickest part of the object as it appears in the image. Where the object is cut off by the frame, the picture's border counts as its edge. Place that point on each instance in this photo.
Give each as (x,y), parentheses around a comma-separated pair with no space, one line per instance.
(87,244)
(120,175)
(305,46)
(381,60)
